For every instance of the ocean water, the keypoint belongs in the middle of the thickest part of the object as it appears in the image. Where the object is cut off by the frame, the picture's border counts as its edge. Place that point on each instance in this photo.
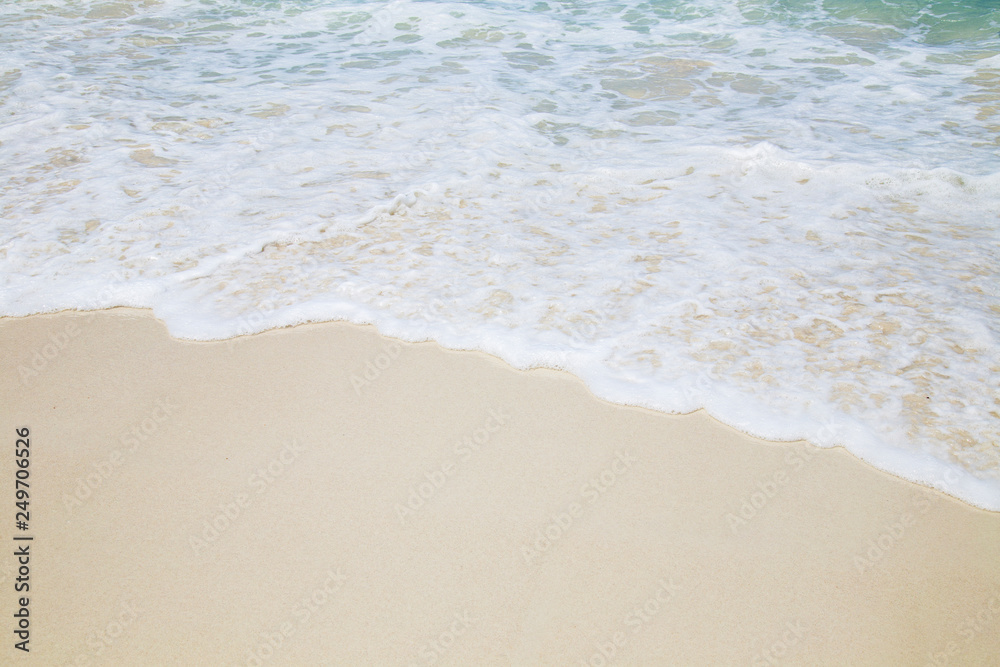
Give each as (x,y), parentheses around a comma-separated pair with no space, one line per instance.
(783,211)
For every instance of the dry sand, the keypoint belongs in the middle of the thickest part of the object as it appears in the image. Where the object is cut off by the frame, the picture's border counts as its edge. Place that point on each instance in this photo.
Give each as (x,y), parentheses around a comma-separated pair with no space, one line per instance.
(323,495)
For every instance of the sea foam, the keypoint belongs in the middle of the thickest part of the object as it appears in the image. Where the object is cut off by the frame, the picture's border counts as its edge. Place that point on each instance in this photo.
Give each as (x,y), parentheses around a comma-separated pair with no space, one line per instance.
(784,215)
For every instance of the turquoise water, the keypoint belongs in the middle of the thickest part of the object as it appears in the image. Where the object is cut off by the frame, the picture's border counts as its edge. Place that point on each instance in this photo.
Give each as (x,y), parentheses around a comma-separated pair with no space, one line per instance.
(783,212)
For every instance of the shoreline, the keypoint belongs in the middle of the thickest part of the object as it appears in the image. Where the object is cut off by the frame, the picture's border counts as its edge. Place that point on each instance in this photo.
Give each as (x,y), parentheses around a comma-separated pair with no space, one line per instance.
(917,467)
(300,495)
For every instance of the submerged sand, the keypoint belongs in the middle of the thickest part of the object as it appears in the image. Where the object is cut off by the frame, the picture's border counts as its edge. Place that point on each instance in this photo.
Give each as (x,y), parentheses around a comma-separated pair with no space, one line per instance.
(323,495)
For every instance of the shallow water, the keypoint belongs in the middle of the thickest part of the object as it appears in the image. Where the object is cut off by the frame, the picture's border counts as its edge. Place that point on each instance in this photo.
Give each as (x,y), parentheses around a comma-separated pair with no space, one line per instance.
(784,212)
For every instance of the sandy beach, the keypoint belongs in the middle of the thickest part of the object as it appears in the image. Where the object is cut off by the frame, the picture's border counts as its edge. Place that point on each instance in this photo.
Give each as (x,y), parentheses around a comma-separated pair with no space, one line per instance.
(323,495)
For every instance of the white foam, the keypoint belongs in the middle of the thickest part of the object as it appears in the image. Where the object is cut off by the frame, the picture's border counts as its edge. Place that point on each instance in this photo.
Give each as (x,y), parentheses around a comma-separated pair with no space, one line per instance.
(797,234)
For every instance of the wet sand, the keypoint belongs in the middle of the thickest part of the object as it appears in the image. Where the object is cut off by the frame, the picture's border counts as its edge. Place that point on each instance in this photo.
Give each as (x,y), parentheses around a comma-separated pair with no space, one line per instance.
(323,495)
